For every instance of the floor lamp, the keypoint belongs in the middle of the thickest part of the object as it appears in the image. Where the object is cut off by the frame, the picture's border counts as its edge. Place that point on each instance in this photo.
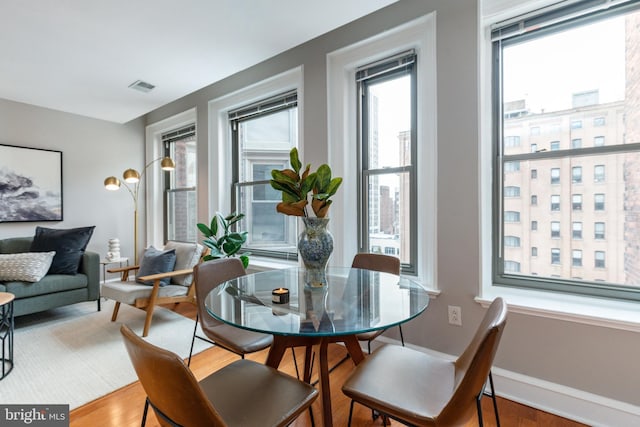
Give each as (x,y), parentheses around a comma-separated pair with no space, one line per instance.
(134,178)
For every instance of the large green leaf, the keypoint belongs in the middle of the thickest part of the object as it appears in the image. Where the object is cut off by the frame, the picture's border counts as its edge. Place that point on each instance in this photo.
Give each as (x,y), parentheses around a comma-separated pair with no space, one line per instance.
(324,178)
(296,164)
(205,230)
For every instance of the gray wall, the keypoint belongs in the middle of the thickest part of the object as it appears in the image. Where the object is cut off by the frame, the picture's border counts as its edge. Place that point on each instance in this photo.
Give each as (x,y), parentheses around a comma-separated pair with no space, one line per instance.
(91,150)
(594,359)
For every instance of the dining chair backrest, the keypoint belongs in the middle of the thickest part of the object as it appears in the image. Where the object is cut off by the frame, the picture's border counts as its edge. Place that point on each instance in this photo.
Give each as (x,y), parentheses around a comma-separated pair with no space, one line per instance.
(170,386)
(472,367)
(210,274)
(377,262)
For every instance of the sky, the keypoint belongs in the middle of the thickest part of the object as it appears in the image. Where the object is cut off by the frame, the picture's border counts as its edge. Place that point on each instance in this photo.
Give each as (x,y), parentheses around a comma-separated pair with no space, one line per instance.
(547,71)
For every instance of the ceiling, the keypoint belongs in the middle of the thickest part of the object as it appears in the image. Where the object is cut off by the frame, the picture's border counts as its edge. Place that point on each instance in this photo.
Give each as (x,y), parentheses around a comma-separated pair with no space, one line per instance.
(80,56)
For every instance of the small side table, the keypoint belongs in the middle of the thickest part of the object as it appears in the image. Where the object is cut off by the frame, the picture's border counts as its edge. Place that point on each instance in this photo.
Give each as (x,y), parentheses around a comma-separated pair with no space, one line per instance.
(105,262)
(6,332)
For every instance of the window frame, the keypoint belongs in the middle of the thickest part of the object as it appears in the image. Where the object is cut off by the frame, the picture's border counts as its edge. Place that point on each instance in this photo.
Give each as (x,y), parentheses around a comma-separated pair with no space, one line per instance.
(515,32)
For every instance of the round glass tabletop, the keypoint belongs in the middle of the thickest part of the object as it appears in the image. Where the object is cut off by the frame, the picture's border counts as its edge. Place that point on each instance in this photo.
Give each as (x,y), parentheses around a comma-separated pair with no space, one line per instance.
(354,301)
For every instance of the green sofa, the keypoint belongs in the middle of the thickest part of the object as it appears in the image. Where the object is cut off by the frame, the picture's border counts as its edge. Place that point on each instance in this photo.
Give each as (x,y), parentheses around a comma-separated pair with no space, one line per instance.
(53,290)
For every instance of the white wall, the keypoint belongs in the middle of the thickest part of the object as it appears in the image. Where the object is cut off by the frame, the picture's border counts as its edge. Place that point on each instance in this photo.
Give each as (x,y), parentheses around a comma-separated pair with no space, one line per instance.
(91,150)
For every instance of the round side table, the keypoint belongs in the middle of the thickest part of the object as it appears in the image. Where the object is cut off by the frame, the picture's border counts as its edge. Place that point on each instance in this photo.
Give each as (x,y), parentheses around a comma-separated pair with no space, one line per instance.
(6,332)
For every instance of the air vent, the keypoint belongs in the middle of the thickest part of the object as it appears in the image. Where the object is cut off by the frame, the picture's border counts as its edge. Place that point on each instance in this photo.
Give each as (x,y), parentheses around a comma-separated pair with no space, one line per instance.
(142,86)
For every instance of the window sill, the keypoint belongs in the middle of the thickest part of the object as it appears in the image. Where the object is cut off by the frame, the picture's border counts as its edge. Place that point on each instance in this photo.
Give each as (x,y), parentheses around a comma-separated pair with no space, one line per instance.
(257,264)
(572,308)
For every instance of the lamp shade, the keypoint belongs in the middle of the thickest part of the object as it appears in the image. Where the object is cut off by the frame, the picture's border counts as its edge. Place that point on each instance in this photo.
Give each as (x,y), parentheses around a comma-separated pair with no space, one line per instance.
(167,164)
(131,176)
(112,183)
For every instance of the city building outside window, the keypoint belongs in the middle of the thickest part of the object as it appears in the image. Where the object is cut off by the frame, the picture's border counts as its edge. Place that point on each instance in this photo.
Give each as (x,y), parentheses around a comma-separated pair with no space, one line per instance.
(536,61)
(388,153)
(263,134)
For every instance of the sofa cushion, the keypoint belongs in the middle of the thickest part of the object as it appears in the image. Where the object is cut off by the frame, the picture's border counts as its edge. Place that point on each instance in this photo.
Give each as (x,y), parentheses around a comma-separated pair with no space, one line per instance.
(68,244)
(156,261)
(28,266)
(187,256)
(50,284)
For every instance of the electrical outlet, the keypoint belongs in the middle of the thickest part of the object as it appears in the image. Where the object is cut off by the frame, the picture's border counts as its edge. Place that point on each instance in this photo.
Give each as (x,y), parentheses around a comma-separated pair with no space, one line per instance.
(455,315)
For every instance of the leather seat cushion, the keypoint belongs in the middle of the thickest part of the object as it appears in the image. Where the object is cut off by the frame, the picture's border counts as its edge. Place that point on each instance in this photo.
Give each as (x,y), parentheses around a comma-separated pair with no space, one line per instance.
(268,395)
(430,383)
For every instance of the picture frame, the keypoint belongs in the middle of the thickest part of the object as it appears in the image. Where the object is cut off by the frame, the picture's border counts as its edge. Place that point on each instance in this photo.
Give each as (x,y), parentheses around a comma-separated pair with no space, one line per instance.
(30,184)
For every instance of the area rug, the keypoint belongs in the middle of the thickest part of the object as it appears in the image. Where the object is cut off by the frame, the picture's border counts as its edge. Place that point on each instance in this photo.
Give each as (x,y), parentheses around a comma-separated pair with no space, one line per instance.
(75,354)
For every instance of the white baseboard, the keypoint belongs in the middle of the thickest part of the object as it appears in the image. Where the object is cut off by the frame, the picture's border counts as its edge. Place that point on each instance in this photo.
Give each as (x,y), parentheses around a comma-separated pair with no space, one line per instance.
(557,399)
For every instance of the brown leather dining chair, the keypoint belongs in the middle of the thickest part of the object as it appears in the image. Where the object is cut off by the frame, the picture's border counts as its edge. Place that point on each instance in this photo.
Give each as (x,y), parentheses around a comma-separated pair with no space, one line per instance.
(207,276)
(384,264)
(424,390)
(243,393)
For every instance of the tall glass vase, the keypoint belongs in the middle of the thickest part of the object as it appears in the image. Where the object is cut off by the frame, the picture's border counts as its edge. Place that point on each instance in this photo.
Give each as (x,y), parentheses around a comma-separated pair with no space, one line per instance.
(315,246)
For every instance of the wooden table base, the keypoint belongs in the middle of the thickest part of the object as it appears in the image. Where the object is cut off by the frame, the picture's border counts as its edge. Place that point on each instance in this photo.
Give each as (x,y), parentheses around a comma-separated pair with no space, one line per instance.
(282,343)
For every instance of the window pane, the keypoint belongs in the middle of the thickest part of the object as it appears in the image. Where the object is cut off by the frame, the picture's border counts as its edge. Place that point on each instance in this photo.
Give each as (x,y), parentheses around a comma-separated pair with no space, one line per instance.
(180,190)
(389,123)
(181,216)
(389,224)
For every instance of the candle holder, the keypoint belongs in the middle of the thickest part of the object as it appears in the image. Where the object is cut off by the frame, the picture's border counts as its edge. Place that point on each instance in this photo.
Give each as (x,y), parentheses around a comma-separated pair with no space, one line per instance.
(280,296)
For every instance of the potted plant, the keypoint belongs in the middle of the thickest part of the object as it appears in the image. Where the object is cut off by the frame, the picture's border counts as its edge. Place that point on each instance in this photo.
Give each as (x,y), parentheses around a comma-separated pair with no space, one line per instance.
(229,243)
(315,244)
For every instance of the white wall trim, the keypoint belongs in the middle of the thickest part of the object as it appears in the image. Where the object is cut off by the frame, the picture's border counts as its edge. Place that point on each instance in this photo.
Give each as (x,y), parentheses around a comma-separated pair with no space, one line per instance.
(419,34)
(220,139)
(154,185)
(567,402)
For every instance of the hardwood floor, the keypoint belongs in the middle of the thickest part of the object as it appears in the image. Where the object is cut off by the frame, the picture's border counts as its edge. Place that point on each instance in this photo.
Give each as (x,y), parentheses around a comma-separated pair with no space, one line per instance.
(123,407)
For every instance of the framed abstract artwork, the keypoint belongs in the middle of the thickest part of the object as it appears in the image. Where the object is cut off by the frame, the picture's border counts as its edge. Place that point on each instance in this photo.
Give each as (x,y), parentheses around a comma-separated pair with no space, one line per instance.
(30,184)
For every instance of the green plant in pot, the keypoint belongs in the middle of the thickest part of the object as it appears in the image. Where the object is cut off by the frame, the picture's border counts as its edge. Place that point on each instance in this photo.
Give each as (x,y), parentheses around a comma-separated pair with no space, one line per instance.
(229,242)
(297,185)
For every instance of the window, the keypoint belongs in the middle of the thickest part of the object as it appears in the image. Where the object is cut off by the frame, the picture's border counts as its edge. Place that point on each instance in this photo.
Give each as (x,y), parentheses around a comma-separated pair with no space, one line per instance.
(558,43)
(511,216)
(263,133)
(598,141)
(387,192)
(534,200)
(511,141)
(512,167)
(180,187)
(534,251)
(534,173)
(598,173)
(576,258)
(576,230)
(576,174)
(599,259)
(534,225)
(512,241)
(534,148)
(512,266)
(576,202)
(535,130)
(511,191)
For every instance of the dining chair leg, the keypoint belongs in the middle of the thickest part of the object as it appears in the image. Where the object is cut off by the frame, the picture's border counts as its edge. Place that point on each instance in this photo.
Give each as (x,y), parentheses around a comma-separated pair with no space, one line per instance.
(493,397)
(193,340)
(401,335)
(351,412)
(479,409)
(295,363)
(144,413)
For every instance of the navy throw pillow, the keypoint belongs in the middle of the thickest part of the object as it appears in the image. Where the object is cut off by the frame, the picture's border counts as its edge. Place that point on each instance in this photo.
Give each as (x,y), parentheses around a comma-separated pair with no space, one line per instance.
(68,244)
(156,261)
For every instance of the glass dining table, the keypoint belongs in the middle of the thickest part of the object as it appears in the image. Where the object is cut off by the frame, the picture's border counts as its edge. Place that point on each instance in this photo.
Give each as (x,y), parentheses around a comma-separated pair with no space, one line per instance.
(278,302)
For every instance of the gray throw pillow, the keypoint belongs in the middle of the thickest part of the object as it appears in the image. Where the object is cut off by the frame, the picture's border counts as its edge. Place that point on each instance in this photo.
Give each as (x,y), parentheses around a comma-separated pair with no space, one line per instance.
(69,246)
(155,261)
